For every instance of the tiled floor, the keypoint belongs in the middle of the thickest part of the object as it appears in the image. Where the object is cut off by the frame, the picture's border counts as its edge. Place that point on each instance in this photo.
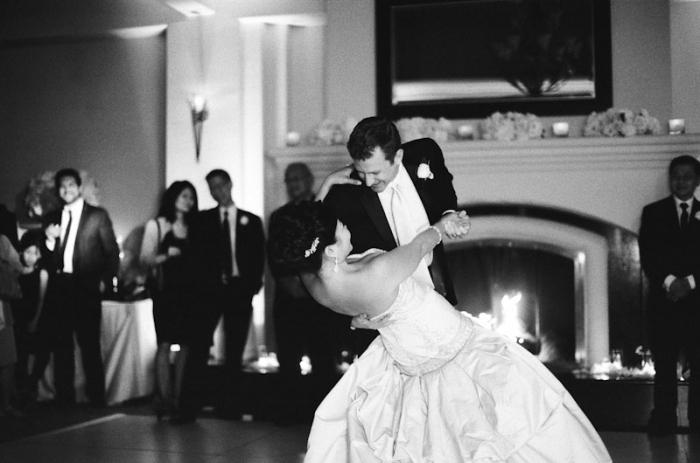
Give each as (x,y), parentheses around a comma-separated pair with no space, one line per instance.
(124,438)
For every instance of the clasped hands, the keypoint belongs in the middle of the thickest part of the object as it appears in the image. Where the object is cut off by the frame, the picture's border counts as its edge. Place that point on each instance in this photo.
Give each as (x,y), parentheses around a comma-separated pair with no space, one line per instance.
(455,224)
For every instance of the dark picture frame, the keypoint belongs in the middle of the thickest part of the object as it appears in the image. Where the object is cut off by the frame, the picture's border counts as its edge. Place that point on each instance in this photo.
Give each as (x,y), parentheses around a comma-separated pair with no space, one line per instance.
(470,58)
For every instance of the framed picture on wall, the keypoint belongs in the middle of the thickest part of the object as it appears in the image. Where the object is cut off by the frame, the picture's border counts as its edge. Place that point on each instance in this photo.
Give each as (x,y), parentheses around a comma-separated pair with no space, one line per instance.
(469,58)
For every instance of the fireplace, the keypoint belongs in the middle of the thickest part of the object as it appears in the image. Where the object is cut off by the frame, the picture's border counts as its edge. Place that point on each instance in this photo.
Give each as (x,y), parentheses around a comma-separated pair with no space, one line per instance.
(576,199)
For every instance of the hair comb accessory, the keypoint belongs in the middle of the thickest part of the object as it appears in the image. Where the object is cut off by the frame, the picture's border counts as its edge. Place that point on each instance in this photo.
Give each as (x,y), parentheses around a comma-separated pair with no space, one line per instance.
(312,249)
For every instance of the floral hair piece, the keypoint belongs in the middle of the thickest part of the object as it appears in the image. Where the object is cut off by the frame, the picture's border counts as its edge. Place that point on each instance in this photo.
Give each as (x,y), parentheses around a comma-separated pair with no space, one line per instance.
(312,249)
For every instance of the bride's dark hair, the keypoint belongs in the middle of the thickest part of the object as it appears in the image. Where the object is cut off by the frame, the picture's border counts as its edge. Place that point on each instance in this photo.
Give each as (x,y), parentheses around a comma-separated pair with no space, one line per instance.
(300,236)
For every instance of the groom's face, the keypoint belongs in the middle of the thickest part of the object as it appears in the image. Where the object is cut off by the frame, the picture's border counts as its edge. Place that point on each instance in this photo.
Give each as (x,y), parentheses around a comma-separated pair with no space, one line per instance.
(376,171)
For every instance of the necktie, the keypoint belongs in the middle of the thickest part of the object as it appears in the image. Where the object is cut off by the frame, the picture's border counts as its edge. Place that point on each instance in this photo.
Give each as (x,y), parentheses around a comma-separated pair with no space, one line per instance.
(399,217)
(684,215)
(64,241)
(405,231)
(226,251)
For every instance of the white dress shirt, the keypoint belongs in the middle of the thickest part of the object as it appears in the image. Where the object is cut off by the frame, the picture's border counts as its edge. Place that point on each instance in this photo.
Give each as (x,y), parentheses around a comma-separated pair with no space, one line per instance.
(412,220)
(68,236)
(232,213)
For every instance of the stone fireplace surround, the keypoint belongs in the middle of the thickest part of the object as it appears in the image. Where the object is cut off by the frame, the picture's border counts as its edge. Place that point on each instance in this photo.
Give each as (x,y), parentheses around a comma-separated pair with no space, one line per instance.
(606,179)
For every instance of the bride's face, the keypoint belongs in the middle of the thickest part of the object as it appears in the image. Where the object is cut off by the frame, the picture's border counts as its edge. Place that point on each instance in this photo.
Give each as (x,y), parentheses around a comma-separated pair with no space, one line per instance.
(342,240)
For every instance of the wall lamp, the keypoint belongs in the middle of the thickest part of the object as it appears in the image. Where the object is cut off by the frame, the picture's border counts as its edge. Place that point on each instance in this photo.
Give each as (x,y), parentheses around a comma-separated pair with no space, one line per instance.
(199,112)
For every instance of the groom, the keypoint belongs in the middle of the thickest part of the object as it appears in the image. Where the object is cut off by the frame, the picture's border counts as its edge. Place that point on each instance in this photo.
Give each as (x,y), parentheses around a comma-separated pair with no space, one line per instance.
(405,188)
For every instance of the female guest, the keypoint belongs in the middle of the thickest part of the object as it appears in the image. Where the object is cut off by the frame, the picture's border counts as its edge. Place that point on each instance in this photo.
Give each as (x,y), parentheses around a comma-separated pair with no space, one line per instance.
(435,385)
(164,243)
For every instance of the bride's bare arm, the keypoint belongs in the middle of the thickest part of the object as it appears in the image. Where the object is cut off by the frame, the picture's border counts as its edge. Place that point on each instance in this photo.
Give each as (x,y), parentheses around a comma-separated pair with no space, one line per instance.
(398,264)
(338,177)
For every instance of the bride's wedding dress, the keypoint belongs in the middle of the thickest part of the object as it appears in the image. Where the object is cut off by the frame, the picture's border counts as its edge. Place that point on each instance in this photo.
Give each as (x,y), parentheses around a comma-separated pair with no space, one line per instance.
(436,387)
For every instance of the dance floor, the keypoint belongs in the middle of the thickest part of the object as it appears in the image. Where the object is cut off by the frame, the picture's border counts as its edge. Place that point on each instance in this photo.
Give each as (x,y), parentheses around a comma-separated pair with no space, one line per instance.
(122,438)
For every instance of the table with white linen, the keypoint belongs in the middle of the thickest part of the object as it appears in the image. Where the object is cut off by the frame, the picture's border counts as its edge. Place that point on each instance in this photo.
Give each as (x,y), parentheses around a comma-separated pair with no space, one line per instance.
(128,340)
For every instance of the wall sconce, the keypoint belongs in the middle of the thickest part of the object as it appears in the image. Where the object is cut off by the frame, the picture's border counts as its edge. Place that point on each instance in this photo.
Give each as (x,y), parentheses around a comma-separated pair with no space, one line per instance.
(198,110)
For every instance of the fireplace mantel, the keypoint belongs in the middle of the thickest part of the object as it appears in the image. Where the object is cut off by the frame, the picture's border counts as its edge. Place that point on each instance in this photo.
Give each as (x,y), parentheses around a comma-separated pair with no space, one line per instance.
(608,178)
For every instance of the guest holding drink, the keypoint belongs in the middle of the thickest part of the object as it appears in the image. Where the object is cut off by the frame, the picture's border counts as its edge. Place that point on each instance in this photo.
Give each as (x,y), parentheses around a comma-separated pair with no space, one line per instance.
(165,240)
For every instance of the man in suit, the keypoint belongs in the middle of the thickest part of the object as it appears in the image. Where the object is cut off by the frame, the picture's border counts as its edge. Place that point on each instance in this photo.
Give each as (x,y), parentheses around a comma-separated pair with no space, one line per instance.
(227,257)
(302,325)
(669,242)
(405,189)
(83,260)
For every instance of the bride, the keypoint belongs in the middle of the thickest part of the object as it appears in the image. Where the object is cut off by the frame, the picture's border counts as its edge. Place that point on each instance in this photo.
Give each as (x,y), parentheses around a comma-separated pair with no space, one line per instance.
(435,386)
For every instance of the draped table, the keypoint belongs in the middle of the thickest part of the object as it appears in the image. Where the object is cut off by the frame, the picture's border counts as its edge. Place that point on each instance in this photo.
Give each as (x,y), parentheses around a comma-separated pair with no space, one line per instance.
(128,340)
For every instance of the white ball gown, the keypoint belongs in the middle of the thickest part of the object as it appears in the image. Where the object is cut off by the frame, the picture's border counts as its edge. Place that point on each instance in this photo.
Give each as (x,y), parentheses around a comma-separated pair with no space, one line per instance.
(436,387)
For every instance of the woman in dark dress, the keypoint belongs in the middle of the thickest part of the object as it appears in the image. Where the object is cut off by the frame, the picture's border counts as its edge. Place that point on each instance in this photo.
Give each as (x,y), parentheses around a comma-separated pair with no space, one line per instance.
(165,242)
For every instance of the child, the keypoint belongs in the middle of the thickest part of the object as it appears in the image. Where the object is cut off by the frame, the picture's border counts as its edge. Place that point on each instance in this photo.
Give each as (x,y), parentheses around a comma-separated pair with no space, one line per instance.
(28,311)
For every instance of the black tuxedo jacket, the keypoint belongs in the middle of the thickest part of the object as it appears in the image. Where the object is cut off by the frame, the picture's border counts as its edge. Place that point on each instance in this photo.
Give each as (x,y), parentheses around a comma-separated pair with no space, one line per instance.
(96,253)
(359,208)
(249,252)
(665,249)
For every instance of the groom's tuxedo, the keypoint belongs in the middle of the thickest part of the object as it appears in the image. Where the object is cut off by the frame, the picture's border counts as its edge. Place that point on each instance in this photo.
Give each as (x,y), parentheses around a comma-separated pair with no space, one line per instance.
(665,250)
(359,208)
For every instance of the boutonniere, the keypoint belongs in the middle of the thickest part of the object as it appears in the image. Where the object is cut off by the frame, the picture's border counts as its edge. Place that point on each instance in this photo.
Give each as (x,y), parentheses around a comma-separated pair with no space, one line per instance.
(244,220)
(697,215)
(424,172)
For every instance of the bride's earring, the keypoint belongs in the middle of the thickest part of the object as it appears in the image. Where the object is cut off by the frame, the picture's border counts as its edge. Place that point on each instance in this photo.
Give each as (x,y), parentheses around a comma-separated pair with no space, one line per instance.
(335,267)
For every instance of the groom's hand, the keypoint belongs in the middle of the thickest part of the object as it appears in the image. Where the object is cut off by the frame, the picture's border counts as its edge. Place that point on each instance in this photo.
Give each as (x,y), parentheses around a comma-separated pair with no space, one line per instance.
(457,224)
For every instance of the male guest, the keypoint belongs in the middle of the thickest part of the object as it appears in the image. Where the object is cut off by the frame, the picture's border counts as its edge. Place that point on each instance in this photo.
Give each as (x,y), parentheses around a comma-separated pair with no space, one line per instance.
(301,324)
(669,241)
(228,257)
(406,188)
(84,258)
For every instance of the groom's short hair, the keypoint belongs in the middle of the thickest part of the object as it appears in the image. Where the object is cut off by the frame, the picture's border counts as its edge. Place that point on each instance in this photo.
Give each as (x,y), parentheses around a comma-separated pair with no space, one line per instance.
(373,132)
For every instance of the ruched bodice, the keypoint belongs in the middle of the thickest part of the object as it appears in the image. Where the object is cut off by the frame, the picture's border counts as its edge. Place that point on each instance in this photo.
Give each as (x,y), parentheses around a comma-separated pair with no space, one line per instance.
(421,330)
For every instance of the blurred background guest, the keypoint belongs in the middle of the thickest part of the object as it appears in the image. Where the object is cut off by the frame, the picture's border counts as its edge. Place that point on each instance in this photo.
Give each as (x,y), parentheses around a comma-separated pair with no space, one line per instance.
(8,225)
(165,244)
(302,326)
(227,262)
(10,291)
(84,260)
(28,311)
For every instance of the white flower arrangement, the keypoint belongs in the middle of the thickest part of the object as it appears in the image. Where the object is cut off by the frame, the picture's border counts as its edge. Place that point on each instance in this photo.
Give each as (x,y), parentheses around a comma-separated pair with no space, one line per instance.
(414,128)
(329,132)
(621,123)
(512,126)
(41,197)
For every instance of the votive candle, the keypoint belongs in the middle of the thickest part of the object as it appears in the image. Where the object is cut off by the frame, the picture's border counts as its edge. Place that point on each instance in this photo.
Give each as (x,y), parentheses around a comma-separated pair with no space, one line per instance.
(560,129)
(676,126)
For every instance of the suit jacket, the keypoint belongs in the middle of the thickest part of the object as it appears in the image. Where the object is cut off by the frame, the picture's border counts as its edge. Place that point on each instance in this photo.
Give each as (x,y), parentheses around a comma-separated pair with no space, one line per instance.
(249,251)
(361,211)
(96,253)
(665,249)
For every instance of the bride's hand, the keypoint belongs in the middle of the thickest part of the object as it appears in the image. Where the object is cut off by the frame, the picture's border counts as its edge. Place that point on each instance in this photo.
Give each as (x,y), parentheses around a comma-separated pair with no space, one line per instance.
(455,224)
(337,177)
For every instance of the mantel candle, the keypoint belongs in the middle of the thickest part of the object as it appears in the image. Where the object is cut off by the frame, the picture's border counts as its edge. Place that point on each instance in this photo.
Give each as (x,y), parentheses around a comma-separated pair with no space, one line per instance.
(676,126)
(465,132)
(293,138)
(560,129)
